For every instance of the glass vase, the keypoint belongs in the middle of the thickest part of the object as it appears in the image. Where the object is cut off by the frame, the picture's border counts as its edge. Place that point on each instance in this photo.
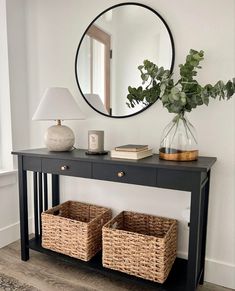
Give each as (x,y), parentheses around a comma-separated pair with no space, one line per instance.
(179,140)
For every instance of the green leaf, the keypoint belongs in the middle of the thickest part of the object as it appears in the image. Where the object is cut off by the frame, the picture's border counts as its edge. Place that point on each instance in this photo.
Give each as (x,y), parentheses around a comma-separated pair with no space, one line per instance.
(185,94)
(162,89)
(175,90)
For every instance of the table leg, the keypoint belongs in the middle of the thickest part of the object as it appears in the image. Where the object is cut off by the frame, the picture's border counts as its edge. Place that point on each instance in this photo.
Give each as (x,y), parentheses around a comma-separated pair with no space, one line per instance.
(204,229)
(194,234)
(23,200)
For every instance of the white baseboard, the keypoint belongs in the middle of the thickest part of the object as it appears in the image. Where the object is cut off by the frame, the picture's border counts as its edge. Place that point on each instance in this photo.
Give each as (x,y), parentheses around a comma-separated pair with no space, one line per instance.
(217,272)
(220,273)
(11,233)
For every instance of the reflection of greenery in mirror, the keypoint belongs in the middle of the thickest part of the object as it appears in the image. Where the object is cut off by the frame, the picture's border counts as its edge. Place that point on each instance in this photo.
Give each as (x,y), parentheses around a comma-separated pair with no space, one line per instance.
(107,57)
(181,96)
(154,77)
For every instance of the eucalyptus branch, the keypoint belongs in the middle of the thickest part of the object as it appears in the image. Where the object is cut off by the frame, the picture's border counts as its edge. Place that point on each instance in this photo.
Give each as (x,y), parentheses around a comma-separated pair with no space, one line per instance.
(182,95)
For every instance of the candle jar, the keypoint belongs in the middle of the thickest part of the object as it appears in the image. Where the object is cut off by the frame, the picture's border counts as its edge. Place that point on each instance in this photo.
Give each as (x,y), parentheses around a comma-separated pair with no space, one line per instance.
(95,141)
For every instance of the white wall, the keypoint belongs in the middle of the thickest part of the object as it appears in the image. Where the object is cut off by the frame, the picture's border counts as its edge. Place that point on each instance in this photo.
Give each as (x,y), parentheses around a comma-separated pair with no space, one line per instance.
(17,50)
(17,89)
(5,111)
(9,213)
(53,30)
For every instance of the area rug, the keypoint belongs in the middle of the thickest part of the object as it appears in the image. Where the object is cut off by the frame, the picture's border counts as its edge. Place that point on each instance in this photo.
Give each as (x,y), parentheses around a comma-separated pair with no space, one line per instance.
(11,284)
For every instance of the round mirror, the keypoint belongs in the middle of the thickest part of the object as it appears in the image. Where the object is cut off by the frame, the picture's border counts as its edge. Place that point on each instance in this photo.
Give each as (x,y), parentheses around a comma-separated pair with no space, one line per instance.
(110,52)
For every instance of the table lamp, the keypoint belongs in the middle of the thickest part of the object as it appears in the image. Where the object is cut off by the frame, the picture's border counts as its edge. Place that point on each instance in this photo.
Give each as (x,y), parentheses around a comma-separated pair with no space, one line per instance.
(58,104)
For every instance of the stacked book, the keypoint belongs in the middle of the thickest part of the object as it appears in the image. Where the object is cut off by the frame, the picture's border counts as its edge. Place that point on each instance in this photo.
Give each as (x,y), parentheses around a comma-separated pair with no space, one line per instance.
(131,151)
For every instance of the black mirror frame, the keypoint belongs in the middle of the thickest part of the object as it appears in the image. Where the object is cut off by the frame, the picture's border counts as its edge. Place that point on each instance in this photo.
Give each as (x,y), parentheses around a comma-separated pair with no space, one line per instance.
(114,6)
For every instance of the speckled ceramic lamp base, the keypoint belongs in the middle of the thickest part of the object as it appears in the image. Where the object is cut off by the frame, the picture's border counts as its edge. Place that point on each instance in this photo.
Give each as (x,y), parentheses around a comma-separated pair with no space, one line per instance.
(59,138)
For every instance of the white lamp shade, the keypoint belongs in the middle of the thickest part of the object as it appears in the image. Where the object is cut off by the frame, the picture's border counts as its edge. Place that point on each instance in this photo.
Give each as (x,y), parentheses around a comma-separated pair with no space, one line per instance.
(96,102)
(57,104)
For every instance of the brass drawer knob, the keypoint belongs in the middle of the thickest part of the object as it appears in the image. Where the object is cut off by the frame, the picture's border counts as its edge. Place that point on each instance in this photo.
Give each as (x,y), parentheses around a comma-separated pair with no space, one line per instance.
(121,174)
(63,168)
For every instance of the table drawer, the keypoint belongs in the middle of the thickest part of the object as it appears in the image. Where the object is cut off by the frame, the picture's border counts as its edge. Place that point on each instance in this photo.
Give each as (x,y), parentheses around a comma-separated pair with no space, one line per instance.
(68,168)
(32,164)
(170,179)
(125,174)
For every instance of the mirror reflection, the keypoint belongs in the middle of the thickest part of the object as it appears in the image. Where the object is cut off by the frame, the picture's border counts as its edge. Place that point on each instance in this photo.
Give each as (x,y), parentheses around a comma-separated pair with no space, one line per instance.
(111,50)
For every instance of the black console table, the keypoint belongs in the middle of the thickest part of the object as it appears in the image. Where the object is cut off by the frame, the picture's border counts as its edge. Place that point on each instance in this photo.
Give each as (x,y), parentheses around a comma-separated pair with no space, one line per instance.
(187,176)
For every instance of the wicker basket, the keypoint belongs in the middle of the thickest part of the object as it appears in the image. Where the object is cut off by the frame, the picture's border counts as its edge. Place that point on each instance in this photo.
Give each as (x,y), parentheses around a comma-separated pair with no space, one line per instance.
(141,245)
(74,229)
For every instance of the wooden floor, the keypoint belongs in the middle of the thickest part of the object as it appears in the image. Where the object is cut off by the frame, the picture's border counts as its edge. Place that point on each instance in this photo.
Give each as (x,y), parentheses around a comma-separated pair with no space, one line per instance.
(48,274)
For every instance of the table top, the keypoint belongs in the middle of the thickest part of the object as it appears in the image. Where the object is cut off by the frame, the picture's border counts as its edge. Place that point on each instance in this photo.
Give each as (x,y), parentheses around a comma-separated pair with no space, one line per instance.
(203,164)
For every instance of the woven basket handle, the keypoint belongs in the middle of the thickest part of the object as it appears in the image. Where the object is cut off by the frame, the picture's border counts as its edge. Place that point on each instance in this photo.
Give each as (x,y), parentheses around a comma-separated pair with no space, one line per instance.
(57,212)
